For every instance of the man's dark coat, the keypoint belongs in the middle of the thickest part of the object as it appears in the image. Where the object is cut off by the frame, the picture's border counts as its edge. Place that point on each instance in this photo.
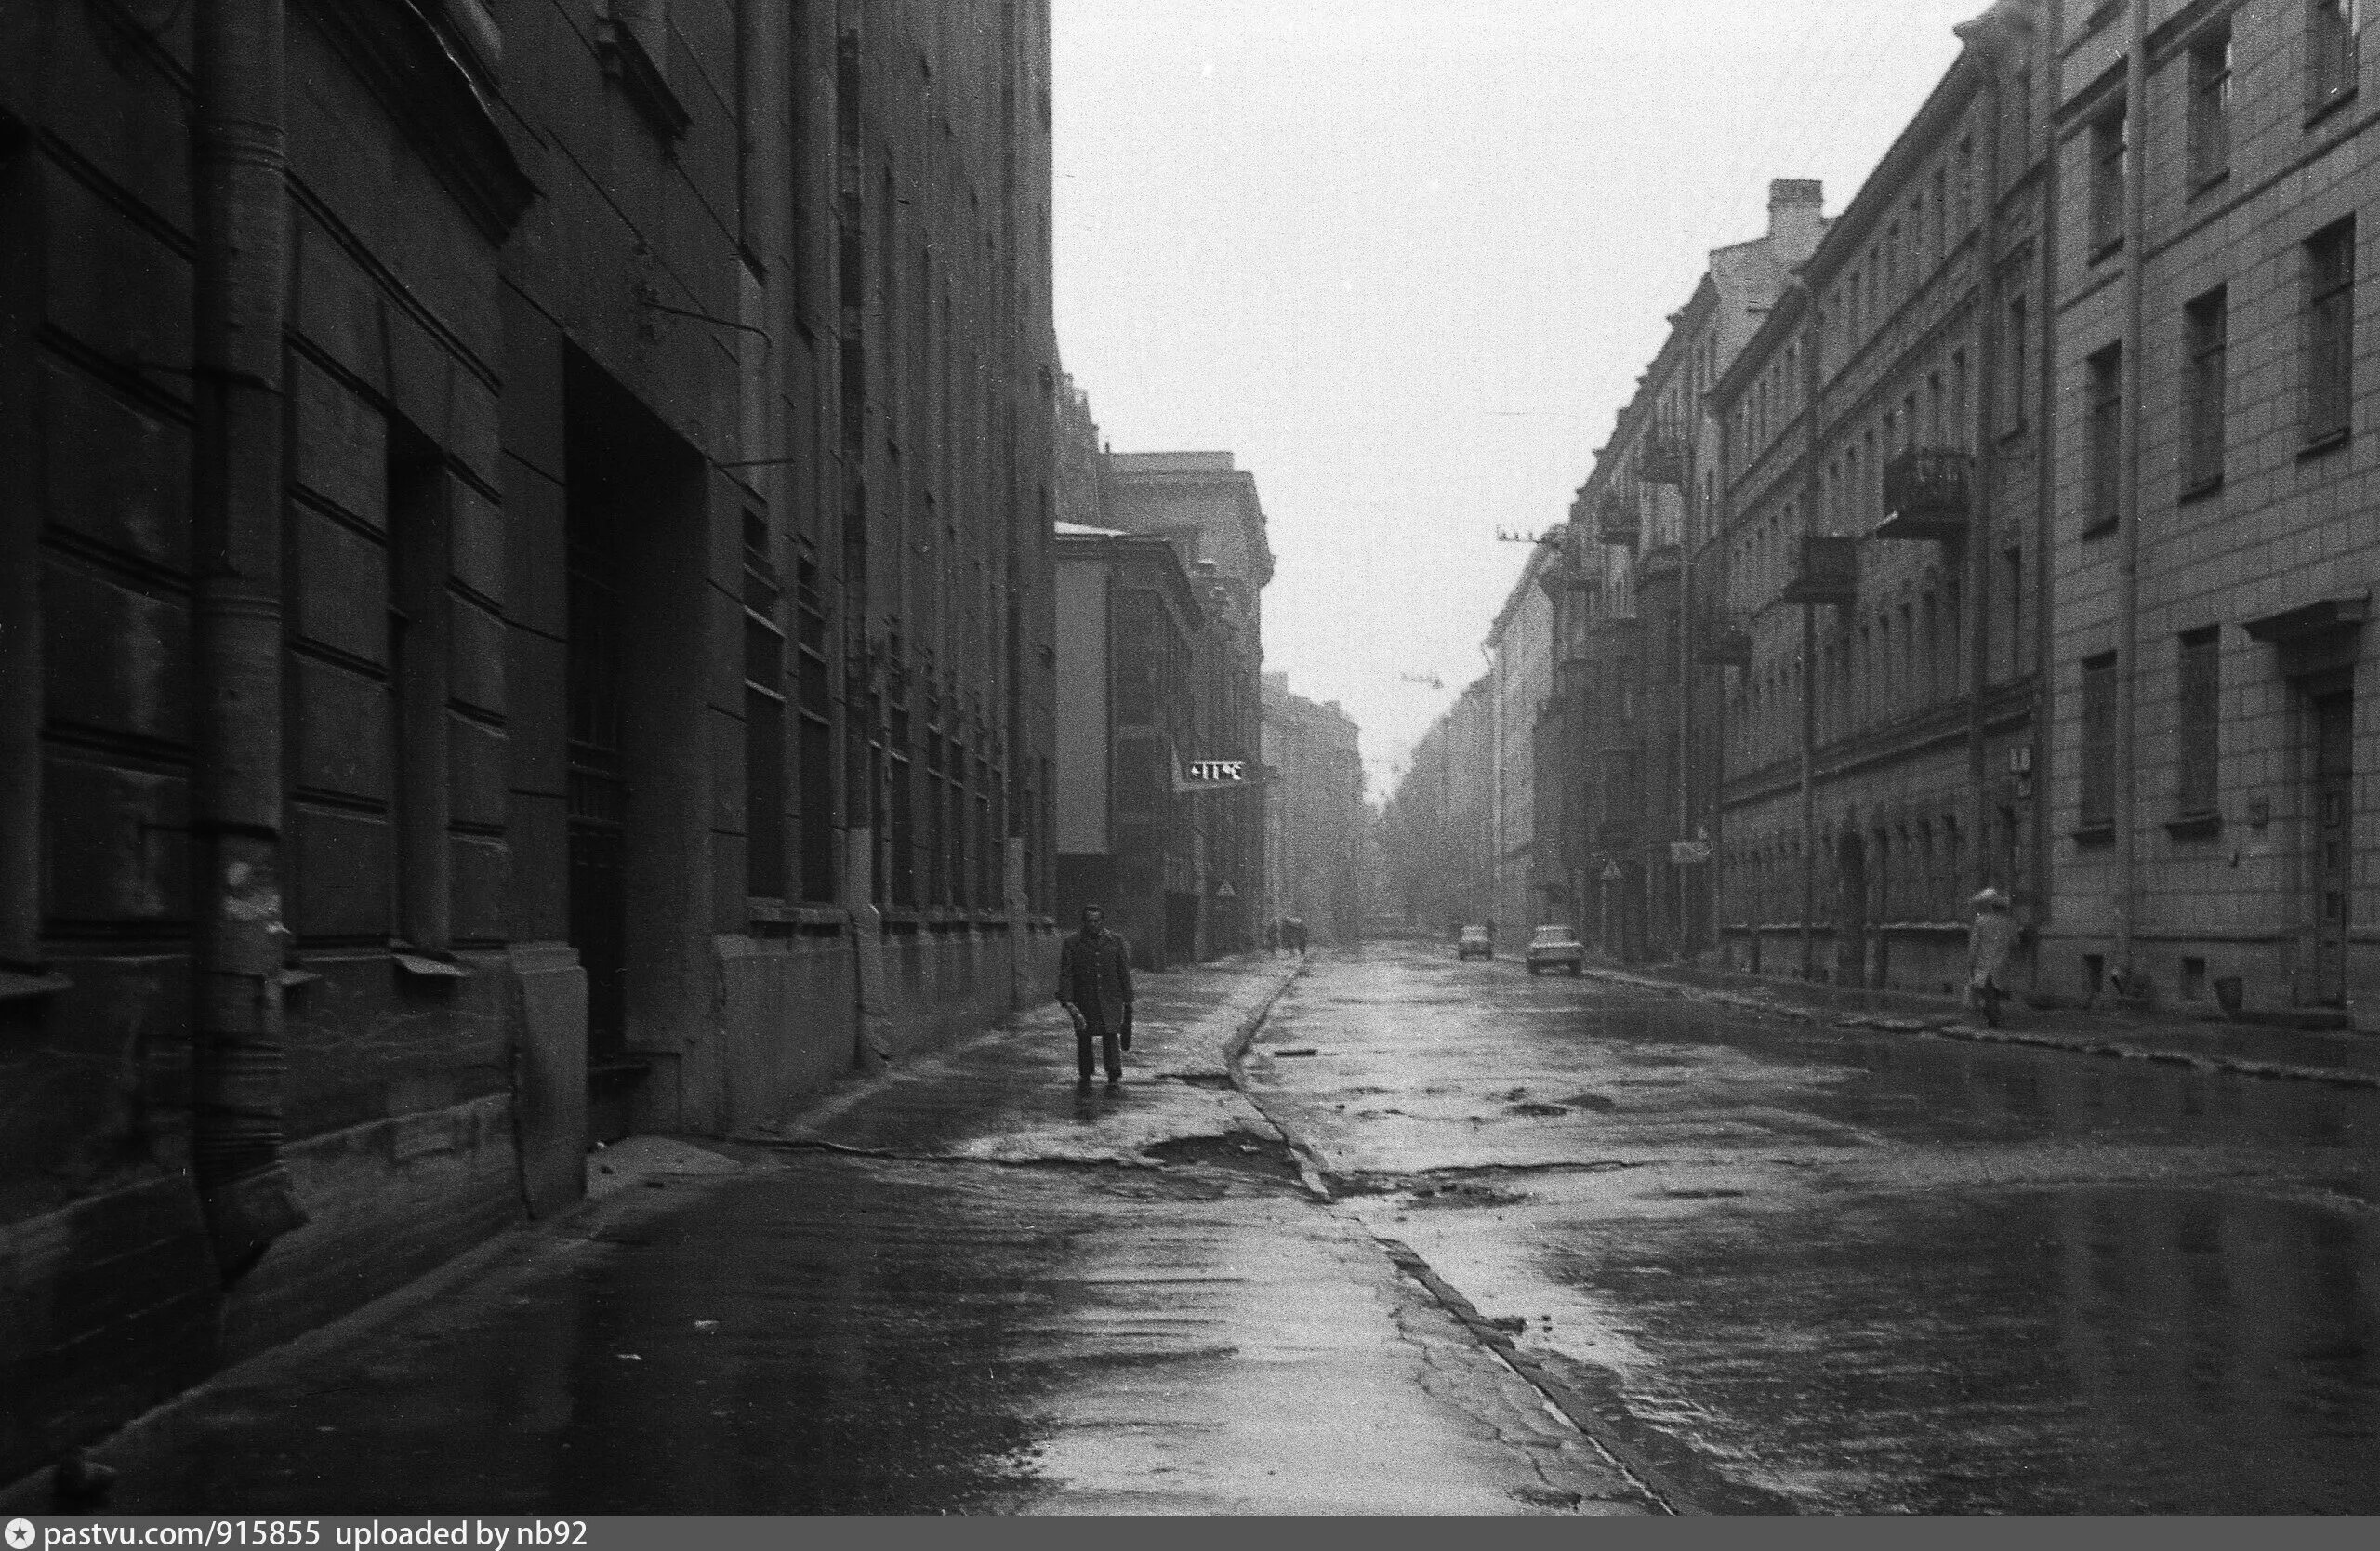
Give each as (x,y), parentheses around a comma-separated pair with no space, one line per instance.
(1095,973)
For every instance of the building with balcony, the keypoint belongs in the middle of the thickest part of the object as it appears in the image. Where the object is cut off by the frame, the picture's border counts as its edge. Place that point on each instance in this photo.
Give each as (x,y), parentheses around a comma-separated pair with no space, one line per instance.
(1633,588)
(1883,549)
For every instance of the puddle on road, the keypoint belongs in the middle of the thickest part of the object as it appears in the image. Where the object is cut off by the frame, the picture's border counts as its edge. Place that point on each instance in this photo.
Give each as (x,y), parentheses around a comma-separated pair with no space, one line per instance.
(2139,1349)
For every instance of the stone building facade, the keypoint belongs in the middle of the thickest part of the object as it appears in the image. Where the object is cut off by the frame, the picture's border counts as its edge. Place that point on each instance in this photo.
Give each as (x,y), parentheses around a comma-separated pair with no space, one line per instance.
(1882,436)
(528,616)
(1209,509)
(1520,677)
(1315,814)
(2212,807)
(1635,593)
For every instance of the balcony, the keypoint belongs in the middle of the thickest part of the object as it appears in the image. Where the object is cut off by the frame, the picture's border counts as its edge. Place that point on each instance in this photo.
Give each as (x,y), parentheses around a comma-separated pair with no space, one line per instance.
(1926,495)
(1616,519)
(1660,563)
(1825,571)
(1660,460)
(1723,644)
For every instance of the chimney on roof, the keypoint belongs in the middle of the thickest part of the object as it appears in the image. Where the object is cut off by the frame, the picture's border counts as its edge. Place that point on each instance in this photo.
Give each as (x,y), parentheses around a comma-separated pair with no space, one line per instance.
(1795,223)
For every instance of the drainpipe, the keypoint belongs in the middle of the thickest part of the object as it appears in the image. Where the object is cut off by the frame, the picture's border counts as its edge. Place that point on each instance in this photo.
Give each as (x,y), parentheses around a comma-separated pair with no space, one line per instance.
(241,213)
(1984,40)
(2136,129)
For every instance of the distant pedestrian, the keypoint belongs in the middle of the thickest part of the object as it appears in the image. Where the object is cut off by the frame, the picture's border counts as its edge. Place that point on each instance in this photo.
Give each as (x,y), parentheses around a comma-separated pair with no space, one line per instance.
(1095,988)
(1297,933)
(1272,936)
(1990,943)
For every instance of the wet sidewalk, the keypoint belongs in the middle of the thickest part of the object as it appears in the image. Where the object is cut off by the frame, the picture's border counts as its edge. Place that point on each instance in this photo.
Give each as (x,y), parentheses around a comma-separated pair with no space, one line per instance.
(963,1286)
(2342,1058)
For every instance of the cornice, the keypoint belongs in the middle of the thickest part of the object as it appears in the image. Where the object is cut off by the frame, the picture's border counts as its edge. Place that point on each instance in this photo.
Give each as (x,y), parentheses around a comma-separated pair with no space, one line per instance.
(405,64)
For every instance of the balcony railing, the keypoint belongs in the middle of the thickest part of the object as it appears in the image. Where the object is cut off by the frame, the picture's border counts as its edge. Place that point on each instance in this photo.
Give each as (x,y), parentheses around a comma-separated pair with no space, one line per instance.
(1723,644)
(1926,495)
(1825,570)
(1660,460)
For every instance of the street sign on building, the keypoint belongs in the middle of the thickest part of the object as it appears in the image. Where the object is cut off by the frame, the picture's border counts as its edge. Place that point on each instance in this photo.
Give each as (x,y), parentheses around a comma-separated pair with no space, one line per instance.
(1691,853)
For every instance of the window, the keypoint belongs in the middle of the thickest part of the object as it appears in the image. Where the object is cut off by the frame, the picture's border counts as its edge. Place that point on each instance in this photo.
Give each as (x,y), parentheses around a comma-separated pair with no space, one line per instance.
(2016,352)
(2210,111)
(1962,428)
(2331,29)
(1964,214)
(2199,715)
(2013,558)
(1941,216)
(2330,331)
(2110,157)
(2098,807)
(764,828)
(2204,325)
(2103,441)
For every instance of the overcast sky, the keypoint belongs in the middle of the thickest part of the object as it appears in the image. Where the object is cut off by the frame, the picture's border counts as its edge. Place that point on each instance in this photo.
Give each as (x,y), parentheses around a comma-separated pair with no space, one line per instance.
(1406,259)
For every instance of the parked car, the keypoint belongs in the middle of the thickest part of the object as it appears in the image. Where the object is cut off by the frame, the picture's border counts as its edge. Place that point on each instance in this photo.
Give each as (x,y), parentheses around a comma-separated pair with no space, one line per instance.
(1551,947)
(1474,940)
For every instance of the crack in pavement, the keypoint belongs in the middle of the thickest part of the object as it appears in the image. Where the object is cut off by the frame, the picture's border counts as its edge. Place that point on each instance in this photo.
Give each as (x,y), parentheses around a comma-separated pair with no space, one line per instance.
(1656,1485)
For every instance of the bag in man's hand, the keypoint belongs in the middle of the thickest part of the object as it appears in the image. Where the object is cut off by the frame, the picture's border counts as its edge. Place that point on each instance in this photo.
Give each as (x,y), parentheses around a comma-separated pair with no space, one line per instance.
(1124,1036)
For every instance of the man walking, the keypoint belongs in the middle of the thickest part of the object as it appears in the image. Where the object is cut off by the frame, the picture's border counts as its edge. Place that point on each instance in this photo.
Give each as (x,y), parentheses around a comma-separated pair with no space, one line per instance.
(1095,988)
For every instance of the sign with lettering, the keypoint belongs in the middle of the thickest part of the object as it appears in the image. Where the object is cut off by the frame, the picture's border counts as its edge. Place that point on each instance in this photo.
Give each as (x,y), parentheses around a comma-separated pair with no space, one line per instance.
(1219,770)
(1689,853)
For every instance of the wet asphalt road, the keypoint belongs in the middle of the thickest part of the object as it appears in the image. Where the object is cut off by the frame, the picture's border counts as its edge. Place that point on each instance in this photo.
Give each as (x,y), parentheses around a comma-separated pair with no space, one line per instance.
(1837,1271)
(966,1287)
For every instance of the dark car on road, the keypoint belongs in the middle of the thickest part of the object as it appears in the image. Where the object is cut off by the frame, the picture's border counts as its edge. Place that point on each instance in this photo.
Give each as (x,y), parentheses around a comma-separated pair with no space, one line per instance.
(1474,941)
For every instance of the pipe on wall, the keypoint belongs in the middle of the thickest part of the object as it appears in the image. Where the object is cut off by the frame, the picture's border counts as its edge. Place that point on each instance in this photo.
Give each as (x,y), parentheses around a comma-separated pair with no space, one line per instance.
(238,157)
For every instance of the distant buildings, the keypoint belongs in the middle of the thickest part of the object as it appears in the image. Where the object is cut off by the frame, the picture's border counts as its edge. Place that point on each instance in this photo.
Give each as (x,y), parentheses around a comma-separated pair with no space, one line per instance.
(1314,816)
(1159,668)
(1208,509)
(2014,527)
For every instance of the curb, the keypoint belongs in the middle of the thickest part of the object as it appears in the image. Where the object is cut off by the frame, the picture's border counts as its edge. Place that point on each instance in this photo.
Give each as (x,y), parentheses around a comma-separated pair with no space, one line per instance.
(1945,1027)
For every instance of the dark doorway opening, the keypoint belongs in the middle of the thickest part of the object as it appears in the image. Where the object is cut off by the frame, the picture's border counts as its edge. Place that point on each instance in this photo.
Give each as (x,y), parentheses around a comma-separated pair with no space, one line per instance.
(632,524)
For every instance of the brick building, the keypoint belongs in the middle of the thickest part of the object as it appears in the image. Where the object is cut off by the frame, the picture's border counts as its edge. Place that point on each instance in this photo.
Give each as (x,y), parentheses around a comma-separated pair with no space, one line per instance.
(1314,815)
(529,618)
(1209,511)
(2212,811)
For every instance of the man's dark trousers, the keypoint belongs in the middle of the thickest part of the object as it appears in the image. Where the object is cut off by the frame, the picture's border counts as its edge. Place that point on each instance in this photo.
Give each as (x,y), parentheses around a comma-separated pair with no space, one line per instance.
(1095,978)
(1097,1026)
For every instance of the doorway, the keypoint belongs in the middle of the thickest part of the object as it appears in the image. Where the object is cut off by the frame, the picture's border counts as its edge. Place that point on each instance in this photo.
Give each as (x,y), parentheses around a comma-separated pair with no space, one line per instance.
(639,786)
(2334,849)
